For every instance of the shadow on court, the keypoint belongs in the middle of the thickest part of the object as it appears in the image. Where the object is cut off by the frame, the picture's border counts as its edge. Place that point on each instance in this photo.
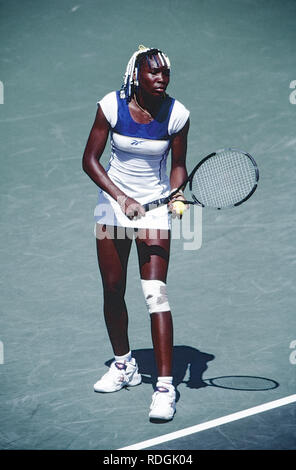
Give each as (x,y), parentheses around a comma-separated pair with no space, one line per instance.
(187,361)
(189,366)
(248,383)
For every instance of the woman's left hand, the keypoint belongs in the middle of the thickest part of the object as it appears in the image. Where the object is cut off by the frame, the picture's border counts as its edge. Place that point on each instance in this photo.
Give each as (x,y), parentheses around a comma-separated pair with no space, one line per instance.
(177,210)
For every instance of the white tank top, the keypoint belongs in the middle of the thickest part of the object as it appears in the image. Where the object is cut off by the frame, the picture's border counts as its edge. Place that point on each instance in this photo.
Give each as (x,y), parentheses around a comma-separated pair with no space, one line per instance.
(139,151)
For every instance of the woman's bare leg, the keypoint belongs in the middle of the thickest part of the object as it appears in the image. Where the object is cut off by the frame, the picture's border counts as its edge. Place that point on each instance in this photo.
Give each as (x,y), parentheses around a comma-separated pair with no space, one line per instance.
(113,254)
(153,251)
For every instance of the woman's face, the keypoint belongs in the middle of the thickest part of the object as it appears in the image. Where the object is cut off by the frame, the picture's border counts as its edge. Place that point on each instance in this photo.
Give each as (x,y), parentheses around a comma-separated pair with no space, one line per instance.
(153,77)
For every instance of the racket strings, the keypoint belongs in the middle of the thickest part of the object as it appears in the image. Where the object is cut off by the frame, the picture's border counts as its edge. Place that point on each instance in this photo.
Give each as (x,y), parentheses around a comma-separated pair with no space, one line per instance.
(224,179)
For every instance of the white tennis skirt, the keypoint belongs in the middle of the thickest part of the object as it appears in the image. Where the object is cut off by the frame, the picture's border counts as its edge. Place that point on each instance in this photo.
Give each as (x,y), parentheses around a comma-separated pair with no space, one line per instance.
(108,212)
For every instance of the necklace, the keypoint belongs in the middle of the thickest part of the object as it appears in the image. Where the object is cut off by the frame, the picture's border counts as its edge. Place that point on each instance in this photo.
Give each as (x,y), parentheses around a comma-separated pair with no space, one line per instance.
(144,110)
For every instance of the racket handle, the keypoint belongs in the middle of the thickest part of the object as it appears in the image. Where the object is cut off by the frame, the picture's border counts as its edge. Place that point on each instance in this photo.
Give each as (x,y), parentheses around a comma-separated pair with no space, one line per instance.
(162,202)
(157,203)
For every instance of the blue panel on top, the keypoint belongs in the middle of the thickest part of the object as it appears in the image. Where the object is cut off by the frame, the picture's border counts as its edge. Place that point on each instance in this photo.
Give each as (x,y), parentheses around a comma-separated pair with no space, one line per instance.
(157,129)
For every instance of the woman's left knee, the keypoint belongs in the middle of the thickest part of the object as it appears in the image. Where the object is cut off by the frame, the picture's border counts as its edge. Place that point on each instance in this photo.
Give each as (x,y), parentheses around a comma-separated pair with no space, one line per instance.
(155,293)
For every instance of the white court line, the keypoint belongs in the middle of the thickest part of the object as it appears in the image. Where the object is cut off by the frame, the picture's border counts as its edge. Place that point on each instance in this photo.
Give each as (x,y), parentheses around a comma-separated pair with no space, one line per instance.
(213,423)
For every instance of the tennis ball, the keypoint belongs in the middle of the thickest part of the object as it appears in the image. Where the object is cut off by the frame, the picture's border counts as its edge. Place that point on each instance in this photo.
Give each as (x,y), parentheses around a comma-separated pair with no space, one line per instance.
(179,207)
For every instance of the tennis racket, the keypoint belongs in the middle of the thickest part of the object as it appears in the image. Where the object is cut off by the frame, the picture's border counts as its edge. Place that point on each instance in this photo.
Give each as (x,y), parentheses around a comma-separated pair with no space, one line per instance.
(225,178)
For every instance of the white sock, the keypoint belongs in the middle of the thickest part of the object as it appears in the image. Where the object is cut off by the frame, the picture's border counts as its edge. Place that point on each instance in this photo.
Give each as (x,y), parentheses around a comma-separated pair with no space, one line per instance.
(126,357)
(165,380)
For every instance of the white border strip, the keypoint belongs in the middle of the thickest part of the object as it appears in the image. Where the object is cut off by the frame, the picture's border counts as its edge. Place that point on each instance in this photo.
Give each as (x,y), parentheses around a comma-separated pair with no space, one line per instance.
(213,423)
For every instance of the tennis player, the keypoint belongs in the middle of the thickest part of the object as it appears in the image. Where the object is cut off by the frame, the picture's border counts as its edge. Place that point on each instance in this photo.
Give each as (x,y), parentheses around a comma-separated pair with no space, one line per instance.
(144,124)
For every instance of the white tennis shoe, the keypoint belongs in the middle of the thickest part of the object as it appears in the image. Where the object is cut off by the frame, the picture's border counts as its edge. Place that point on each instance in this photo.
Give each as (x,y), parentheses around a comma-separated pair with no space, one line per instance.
(163,406)
(119,375)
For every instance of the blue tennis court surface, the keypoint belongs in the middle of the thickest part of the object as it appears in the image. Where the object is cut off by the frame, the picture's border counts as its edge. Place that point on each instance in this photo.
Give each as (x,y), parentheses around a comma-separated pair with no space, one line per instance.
(232,294)
(253,433)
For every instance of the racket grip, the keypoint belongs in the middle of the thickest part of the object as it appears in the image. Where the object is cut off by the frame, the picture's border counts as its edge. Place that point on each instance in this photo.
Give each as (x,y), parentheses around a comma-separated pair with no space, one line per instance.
(157,203)
(162,202)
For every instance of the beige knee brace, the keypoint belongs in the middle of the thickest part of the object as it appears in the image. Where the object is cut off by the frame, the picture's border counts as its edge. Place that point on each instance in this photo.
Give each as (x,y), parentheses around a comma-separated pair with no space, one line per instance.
(155,293)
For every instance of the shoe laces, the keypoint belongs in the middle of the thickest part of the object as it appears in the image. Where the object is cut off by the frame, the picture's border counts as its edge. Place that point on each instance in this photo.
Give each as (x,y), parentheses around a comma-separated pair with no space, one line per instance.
(117,371)
(163,393)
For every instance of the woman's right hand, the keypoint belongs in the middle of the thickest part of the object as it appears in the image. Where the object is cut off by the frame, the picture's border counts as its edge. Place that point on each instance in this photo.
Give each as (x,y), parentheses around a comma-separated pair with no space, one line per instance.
(131,208)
